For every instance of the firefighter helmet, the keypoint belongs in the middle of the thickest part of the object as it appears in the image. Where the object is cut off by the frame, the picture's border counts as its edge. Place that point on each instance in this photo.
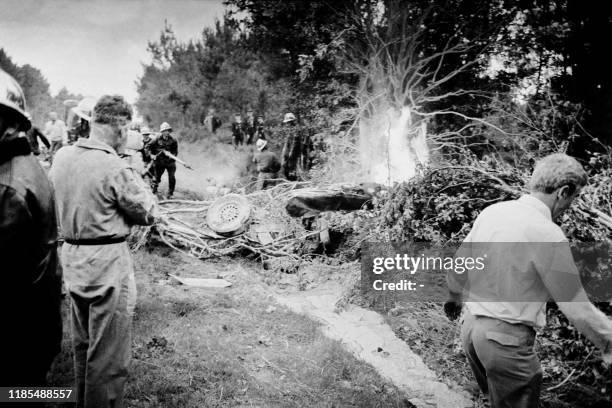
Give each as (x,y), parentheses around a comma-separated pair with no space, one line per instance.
(289,117)
(84,108)
(13,98)
(261,144)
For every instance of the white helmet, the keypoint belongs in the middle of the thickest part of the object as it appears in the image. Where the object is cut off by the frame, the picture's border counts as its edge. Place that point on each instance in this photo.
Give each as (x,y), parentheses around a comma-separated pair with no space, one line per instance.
(13,98)
(165,126)
(145,131)
(260,144)
(289,117)
(84,108)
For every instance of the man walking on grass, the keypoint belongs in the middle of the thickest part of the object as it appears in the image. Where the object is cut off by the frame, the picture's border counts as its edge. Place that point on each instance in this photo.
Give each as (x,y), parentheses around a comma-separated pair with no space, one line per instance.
(529,261)
(99,199)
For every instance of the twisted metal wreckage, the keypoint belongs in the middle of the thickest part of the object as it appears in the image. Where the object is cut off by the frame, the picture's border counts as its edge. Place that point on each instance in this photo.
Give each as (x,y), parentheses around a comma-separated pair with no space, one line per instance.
(257,222)
(268,223)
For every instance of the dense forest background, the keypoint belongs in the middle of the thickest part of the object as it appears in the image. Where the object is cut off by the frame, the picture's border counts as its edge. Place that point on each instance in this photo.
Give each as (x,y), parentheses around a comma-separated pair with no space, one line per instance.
(278,56)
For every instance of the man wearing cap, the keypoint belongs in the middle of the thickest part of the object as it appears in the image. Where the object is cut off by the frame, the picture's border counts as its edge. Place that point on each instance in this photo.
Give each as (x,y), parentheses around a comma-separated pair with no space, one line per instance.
(99,199)
(238,130)
(260,130)
(162,162)
(250,127)
(267,165)
(31,277)
(295,156)
(56,132)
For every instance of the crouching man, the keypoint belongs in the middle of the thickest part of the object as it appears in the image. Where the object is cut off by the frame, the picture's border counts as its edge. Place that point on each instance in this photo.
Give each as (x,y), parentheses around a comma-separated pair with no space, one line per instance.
(99,197)
(267,165)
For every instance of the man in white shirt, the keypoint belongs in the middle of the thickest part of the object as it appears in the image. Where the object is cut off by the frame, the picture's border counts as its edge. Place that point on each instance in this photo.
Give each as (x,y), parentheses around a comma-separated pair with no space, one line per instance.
(56,132)
(528,262)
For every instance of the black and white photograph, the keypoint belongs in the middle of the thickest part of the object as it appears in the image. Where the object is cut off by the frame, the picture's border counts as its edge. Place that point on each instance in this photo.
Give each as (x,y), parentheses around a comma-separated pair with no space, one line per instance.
(290,203)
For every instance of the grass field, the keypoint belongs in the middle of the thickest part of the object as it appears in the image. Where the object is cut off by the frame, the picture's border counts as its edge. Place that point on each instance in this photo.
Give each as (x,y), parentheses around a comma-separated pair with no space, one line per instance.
(231,347)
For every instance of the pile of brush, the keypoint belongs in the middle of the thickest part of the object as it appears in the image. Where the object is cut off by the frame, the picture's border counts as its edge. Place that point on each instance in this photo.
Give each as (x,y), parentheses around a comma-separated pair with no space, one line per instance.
(185,229)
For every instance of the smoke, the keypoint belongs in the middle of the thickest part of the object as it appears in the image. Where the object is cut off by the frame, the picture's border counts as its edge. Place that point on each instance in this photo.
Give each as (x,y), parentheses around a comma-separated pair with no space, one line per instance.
(392,144)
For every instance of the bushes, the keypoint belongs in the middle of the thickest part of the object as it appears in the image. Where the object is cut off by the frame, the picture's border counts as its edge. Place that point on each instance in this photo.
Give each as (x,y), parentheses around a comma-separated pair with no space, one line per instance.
(440,204)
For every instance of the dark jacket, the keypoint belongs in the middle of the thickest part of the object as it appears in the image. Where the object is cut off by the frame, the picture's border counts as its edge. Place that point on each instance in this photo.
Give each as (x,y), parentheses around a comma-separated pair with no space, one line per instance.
(31,277)
(146,155)
(295,156)
(238,132)
(250,127)
(33,135)
(266,162)
(158,145)
(260,132)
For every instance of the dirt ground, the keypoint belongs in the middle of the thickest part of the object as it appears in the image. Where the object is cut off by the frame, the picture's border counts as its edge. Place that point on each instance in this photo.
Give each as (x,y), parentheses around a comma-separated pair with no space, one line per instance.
(232,347)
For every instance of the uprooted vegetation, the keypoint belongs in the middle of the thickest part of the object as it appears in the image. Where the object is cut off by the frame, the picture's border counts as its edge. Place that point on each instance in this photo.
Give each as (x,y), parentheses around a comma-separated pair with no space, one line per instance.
(439,207)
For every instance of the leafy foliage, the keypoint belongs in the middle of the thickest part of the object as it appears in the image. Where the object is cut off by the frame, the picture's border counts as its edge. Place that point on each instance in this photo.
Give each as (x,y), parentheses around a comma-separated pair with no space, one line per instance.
(216,71)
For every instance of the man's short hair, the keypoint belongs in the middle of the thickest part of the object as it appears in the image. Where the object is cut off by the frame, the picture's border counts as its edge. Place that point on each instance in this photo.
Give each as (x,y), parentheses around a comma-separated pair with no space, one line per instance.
(555,171)
(110,109)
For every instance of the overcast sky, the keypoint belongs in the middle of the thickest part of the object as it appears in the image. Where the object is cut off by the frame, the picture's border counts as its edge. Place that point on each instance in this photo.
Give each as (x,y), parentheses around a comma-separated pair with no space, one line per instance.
(95,47)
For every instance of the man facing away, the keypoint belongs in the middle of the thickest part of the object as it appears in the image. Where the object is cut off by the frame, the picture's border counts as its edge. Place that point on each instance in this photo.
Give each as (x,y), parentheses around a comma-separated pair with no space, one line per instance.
(99,199)
(161,161)
(531,263)
(31,277)
(56,132)
(267,164)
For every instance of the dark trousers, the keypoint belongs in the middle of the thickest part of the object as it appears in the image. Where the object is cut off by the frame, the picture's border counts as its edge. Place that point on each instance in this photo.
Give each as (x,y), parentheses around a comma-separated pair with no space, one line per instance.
(264,180)
(55,146)
(160,168)
(237,140)
(503,360)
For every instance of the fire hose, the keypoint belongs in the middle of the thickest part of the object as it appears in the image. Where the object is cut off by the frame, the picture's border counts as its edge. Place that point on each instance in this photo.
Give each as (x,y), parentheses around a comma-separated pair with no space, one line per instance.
(171,156)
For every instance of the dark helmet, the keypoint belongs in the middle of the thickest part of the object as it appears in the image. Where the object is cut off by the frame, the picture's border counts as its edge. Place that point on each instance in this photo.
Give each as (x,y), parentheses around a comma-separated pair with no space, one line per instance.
(12,97)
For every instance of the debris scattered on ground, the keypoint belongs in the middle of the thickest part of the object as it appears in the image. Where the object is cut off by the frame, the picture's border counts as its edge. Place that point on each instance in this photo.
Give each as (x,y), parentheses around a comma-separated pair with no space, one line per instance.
(269,231)
(203,282)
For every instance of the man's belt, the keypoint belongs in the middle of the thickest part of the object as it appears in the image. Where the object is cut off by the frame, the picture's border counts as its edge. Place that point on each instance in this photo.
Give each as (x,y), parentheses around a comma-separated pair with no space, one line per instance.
(95,241)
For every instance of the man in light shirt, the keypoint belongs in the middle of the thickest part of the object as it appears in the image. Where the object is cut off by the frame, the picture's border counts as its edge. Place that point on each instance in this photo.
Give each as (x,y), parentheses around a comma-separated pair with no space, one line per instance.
(56,132)
(529,262)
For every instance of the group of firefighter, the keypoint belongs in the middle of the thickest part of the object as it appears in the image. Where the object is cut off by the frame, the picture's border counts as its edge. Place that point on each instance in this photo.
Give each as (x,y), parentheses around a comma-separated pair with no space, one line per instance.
(159,152)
